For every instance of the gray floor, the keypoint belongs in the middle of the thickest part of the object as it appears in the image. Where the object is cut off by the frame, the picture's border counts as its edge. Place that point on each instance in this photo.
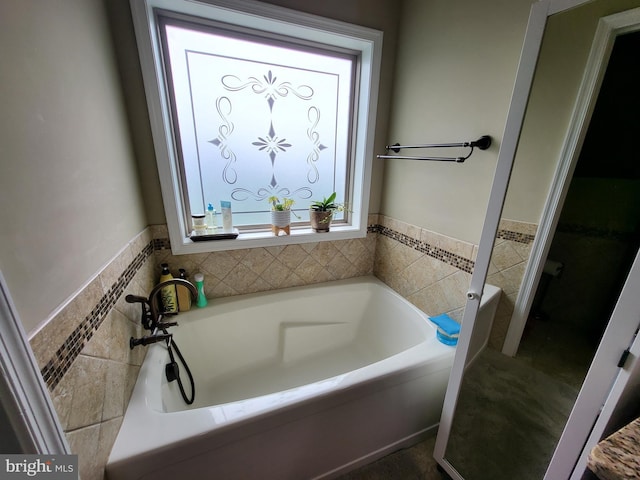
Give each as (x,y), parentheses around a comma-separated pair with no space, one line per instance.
(414,463)
(511,412)
(508,420)
(561,350)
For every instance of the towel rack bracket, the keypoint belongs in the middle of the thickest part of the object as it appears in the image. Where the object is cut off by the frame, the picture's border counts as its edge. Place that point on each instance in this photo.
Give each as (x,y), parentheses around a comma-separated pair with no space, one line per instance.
(482,143)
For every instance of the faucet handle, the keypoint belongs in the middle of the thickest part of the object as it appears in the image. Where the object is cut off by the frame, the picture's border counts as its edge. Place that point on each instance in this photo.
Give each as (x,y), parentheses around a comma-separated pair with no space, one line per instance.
(164,325)
(135,299)
(146,320)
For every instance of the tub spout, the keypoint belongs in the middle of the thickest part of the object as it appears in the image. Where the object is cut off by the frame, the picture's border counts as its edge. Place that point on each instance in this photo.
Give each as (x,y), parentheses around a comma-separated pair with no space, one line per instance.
(158,337)
(151,316)
(155,293)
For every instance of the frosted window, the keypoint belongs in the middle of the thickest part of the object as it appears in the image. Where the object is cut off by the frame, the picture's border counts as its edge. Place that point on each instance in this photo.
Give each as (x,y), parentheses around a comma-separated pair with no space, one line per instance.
(256,119)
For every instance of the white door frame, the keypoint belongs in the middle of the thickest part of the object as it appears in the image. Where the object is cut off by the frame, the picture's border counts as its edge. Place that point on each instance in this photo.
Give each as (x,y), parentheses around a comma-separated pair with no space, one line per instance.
(23,393)
(608,29)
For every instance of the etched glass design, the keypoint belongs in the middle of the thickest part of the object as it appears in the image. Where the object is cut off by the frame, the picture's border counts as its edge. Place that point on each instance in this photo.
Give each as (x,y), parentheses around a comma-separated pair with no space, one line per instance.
(257,119)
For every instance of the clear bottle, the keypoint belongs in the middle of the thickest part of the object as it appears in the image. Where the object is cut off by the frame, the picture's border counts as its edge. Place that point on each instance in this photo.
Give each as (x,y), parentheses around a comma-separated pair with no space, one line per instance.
(199,224)
(211,218)
(227,221)
(168,293)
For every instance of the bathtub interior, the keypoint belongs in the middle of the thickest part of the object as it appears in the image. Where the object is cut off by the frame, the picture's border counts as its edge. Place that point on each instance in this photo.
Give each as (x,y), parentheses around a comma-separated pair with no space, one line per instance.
(332,425)
(265,343)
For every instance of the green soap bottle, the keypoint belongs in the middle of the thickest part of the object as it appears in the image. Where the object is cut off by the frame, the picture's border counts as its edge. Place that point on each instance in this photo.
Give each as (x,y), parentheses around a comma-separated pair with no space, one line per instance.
(168,293)
(202,300)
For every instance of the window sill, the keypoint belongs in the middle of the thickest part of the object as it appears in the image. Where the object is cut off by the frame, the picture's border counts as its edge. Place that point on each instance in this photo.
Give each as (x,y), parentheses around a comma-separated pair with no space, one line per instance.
(184,245)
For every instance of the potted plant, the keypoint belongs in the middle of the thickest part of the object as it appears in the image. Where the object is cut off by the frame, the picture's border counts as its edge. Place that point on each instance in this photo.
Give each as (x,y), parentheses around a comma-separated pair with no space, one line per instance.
(281,215)
(321,213)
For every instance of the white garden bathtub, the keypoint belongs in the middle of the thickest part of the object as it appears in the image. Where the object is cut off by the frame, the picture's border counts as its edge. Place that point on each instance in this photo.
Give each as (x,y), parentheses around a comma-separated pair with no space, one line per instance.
(300,383)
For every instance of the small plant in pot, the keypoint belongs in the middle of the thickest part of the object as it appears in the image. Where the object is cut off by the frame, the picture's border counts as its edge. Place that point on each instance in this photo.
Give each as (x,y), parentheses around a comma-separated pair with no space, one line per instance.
(281,215)
(321,212)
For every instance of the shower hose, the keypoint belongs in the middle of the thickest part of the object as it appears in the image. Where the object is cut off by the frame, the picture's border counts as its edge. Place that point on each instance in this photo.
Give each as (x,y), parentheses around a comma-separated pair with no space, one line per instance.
(173,372)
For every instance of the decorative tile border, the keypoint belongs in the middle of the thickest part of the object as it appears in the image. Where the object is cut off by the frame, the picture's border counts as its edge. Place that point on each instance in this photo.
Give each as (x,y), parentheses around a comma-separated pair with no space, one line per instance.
(453,259)
(519,237)
(517,231)
(55,368)
(161,244)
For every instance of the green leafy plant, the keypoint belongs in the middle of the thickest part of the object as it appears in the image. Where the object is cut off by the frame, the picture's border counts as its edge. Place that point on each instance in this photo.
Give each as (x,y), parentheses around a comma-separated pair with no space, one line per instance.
(278,205)
(326,204)
(321,212)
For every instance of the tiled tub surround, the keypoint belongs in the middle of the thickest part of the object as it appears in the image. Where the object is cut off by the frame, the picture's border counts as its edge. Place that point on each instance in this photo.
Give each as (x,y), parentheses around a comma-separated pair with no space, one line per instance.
(431,270)
(84,356)
(83,350)
(509,260)
(434,271)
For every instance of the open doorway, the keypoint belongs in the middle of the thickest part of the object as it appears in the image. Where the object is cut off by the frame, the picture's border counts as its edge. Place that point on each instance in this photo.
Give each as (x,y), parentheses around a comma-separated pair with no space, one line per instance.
(598,232)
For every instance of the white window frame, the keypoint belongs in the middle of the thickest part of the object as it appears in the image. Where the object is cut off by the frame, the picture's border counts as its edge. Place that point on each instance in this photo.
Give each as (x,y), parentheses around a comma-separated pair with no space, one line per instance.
(276,20)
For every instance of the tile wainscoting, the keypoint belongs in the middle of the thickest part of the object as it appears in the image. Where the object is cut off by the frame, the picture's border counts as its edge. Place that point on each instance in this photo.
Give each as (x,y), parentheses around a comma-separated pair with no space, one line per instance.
(431,270)
(83,351)
(84,356)
(250,270)
(509,260)
(434,271)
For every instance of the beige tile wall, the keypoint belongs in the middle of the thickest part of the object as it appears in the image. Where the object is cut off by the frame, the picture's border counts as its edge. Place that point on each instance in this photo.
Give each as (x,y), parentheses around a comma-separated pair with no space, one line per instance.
(437,282)
(84,355)
(235,272)
(83,351)
(509,260)
(431,270)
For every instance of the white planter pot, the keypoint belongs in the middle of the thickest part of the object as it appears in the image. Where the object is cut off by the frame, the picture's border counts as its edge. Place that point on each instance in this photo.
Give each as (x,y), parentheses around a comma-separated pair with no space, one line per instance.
(280,221)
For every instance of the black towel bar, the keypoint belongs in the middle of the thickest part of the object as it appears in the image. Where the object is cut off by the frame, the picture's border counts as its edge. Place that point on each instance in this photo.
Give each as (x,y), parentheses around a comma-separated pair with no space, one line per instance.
(482,143)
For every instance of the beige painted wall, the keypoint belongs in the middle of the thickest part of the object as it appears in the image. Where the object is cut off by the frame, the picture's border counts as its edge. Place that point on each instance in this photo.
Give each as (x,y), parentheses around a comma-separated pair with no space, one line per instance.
(68,188)
(456,66)
(563,57)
